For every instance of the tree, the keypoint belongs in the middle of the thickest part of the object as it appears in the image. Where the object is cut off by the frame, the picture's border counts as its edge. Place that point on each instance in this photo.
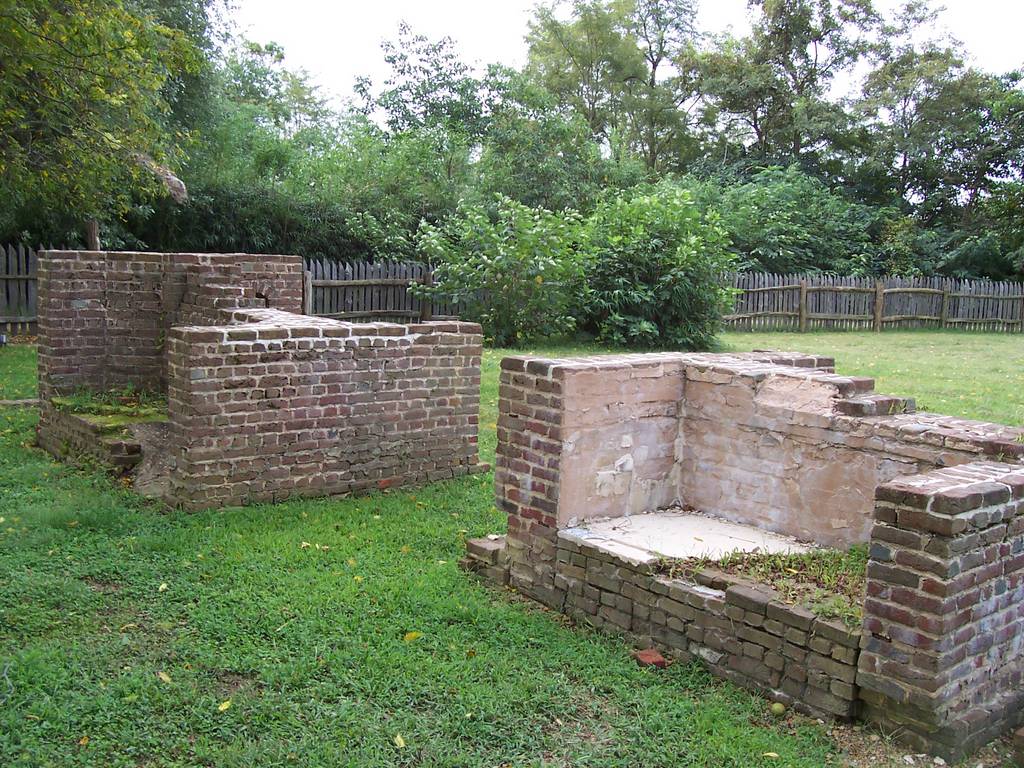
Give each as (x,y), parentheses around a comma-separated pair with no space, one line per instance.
(535,151)
(429,86)
(627,68)
(82,103)
(774,84)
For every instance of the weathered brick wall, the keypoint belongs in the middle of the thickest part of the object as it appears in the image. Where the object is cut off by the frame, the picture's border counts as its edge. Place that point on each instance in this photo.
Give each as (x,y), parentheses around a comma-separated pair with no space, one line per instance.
(755,439)
(67,435)
(281,405)
(741,631)
(104,317)
(786,445)
(943,657)
(527,469)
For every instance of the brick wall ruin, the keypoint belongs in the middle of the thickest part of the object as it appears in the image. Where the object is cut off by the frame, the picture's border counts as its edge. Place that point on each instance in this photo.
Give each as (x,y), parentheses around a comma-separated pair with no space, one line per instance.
(262,403)
(779,443)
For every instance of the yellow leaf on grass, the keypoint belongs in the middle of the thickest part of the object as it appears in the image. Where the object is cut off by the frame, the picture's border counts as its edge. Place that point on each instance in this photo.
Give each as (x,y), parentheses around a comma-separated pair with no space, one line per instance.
(83,741)
(162,587)
(164,677)
(770,754)
(357,579)
(399,741)
(412,636)
(224,706)
(351,562)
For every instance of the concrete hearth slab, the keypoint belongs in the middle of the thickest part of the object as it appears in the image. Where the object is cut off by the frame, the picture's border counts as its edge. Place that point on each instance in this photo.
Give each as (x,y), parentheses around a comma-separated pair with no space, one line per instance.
(677,534)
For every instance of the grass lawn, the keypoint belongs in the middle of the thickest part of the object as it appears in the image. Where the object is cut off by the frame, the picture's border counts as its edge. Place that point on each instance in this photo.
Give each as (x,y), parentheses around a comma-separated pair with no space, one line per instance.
(17,372)
(279,635)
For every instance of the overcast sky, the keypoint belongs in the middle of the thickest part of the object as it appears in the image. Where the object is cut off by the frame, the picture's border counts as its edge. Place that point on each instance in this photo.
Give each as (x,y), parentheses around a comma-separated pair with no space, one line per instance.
(336,41)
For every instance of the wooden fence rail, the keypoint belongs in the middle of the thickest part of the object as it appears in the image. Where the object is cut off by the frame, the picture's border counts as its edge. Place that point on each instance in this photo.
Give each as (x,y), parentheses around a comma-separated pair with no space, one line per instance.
(806,302)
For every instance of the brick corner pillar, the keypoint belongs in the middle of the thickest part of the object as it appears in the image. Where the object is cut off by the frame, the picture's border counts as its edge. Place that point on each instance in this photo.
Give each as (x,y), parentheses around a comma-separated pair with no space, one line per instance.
(192,409)
(943,642)
(526,474)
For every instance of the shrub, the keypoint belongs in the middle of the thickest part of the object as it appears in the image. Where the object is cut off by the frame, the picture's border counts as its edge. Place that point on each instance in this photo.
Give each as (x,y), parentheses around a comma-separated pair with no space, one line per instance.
(782,220)
(654,270)
(515,274)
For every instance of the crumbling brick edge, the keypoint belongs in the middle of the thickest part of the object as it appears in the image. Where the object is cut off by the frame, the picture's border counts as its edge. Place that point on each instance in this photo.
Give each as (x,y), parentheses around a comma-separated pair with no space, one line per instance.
(67,435)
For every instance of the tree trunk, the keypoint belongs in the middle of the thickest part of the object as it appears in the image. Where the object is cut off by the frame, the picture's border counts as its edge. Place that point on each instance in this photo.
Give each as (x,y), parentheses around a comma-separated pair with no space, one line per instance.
(92,235)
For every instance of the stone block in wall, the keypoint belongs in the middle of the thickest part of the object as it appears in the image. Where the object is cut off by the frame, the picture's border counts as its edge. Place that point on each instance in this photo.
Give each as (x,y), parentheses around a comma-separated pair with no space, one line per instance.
(942,653)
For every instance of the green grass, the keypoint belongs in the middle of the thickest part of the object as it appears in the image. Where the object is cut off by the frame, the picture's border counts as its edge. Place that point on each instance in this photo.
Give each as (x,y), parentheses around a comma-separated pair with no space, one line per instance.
(973,375)
(307,642)
(17,371)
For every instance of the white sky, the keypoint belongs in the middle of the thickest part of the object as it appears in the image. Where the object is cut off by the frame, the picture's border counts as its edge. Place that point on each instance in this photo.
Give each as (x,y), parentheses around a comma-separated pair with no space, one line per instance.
(338,40)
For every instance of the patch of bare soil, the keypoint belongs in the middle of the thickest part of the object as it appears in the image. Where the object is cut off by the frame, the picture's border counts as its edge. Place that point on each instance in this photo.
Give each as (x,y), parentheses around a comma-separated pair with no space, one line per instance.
(229,683)
(101,585)
(865,747)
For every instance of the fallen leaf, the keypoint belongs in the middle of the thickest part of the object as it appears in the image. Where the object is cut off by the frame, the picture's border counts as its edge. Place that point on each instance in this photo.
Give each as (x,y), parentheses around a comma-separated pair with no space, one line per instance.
(162,587)
(224,706)
(412,636)
(351,562)
(304,545)
(83,741)
(164,677)
(770,754)
(399,741)
(357,579)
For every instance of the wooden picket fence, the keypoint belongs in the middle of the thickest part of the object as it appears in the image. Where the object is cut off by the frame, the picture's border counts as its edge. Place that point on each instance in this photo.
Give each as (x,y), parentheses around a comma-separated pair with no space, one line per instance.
(361,291)
(18,289)
(809,302)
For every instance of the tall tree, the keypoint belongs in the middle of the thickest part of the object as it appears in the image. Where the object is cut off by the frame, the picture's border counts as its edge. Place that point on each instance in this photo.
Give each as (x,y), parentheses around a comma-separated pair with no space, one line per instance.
(82,105)
(627,67)
(775,84)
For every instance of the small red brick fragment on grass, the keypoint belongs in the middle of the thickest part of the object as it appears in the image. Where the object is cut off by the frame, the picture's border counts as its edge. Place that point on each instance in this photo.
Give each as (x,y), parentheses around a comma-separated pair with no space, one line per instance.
(649,657)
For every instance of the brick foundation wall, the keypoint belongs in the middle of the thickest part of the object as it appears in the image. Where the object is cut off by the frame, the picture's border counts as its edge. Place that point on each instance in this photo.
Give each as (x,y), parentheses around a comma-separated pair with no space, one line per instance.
(263,404)
(300,406)
(67,435)
(782,443)
(741,631)
(943,655)
(104,316)
(757,439)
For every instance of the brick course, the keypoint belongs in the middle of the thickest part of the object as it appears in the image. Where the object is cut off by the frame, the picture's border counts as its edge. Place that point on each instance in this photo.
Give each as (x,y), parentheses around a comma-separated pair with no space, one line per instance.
(741,631)
(69,435)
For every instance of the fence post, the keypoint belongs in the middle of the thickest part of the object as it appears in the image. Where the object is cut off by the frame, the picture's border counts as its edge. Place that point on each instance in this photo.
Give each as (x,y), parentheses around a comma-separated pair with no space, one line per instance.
(803,306)
(427,302)
(944,315)
(879,304)
(307,292)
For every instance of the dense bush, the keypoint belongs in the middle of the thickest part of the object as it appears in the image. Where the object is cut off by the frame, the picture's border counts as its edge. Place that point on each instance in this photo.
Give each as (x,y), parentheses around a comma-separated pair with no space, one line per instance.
(654,268)
(266,221)
(515,273)
(783,220)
